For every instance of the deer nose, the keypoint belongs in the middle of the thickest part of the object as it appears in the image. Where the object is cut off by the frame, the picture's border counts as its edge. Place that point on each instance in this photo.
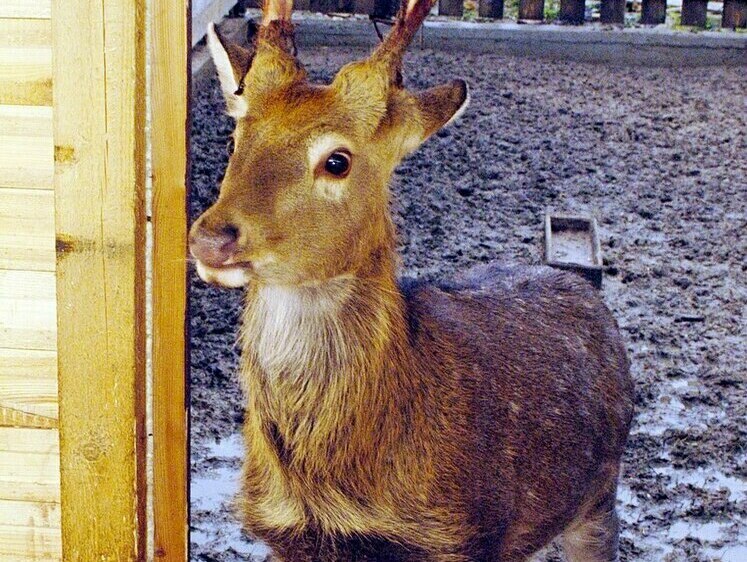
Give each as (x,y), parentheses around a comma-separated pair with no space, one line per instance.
(214,248)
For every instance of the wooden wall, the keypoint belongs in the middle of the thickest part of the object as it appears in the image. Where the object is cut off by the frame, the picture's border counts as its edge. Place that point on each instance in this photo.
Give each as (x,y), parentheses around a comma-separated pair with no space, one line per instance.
(29,438)
(72,280)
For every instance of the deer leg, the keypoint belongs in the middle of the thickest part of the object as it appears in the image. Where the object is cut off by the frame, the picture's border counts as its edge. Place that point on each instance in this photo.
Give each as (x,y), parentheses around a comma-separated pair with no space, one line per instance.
(593,536)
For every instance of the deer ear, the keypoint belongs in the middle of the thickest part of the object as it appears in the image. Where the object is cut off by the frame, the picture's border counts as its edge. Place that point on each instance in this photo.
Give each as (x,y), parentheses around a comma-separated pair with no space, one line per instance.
(439,106)
(232,63)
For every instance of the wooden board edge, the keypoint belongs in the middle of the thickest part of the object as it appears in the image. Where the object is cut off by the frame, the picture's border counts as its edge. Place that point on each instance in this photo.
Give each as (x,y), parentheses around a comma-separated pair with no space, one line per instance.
(170,89)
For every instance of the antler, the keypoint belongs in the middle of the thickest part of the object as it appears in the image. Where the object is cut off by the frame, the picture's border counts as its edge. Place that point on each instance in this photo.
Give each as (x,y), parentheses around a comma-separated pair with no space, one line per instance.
(392,49)
(273,10)
(277,28)
(275,61)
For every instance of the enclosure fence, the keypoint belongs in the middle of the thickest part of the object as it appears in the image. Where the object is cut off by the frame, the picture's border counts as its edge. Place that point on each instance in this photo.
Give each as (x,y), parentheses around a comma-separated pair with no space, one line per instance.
(653,12)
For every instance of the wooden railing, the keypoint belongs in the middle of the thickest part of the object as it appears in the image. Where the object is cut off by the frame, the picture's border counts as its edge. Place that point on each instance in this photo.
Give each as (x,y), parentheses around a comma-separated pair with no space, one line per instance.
(694,12)
(653,12)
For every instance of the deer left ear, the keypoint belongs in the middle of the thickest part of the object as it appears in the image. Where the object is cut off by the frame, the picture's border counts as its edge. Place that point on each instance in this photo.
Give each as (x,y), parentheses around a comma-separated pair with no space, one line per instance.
(440,106)
(232,63)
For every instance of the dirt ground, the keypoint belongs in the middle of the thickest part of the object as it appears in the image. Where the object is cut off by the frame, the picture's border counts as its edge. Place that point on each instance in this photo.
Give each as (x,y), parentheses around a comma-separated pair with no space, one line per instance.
(659,156)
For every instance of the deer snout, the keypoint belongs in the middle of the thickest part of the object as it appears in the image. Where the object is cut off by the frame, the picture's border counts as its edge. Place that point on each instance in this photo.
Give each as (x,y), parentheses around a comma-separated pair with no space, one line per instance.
(213,247)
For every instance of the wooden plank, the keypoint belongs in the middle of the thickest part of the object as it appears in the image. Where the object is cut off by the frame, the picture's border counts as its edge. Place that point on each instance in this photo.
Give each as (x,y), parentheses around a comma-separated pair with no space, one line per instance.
(26,121)
(26,75)
(29,465)
(734,15)
(491,9)
(572,11)
(531,10)
(694,12)
(26,9)
(99,110)
(27,229)
(27,310)
(28,381)
(26,147)
(450,7)
(170,89)
(613,11)
(29,543)
(15,513)
(653,12)
(25,33)
(26,162)
(12,417)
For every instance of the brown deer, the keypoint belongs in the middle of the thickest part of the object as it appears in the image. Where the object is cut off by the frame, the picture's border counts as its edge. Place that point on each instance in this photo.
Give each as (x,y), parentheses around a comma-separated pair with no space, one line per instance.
(472,419)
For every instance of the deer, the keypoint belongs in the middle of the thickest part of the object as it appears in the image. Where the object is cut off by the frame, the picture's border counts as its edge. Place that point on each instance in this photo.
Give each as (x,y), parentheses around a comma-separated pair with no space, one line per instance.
(470,418)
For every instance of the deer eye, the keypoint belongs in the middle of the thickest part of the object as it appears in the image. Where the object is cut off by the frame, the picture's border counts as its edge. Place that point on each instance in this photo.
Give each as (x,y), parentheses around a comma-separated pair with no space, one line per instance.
(338,164)
(230,146)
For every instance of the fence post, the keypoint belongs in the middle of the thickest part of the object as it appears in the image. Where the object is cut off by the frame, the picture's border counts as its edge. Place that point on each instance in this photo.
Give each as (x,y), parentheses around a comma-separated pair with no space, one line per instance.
(99,189)
(613,11)
(385,8)
(694,12)
(572,11)
(491,9)
(170,88)
(531,10)
(735,14)
(654,12)
(325,6)
(450,7)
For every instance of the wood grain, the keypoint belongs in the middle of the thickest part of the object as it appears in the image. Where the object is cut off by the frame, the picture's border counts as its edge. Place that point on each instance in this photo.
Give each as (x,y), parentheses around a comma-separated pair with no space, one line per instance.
(169,98)
(26,75)
(99,111)
(26,162)
(29,543)
(27,229)
(27,310)
(28,381)
(25,33)
(15,513)
(29,465)
(30,530)
(26,9)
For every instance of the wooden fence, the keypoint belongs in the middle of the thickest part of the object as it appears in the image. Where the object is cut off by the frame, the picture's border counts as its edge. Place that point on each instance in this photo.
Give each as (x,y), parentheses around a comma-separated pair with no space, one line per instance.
(73,323)
(694,12)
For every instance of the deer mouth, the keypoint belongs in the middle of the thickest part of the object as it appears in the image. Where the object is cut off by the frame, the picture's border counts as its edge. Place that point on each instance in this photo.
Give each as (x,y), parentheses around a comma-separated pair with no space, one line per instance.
(231,275)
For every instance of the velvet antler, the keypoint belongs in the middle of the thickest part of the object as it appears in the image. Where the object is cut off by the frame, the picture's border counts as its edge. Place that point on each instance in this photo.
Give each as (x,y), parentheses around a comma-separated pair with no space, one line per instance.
(392,49)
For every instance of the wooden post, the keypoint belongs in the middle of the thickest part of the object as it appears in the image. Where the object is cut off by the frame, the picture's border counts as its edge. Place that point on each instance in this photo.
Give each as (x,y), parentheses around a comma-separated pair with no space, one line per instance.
(654,12)
(572,11)
(450,7)
(531,10)
(327,6)
(491,9)
(170,88)
(99,135)
(384,8)
(694,12)
(735,14)
(613,11)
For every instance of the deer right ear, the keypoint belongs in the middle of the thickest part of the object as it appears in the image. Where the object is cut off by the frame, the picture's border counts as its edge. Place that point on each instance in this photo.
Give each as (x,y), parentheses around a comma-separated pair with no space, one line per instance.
(232,63)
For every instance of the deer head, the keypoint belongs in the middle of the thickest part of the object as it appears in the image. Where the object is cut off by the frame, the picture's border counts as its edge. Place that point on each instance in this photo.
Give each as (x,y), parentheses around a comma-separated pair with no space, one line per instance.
(305,198)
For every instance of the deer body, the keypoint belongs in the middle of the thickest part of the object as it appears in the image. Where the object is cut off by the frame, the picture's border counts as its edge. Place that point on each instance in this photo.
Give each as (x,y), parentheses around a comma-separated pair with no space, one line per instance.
(462,422)
(472,420)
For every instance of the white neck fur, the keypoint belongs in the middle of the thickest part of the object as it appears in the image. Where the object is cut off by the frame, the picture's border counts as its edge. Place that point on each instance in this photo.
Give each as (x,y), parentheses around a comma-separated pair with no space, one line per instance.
(293,331)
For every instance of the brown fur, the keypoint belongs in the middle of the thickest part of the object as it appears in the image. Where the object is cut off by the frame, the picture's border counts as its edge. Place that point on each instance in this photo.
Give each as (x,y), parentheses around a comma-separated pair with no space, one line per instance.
(473,419)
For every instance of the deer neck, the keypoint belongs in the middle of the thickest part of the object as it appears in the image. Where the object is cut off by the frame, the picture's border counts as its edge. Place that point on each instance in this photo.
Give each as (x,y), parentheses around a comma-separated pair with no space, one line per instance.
(338,328)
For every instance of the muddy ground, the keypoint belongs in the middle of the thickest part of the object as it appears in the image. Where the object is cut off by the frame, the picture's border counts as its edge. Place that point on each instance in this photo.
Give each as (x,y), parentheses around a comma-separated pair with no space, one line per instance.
(660,157)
